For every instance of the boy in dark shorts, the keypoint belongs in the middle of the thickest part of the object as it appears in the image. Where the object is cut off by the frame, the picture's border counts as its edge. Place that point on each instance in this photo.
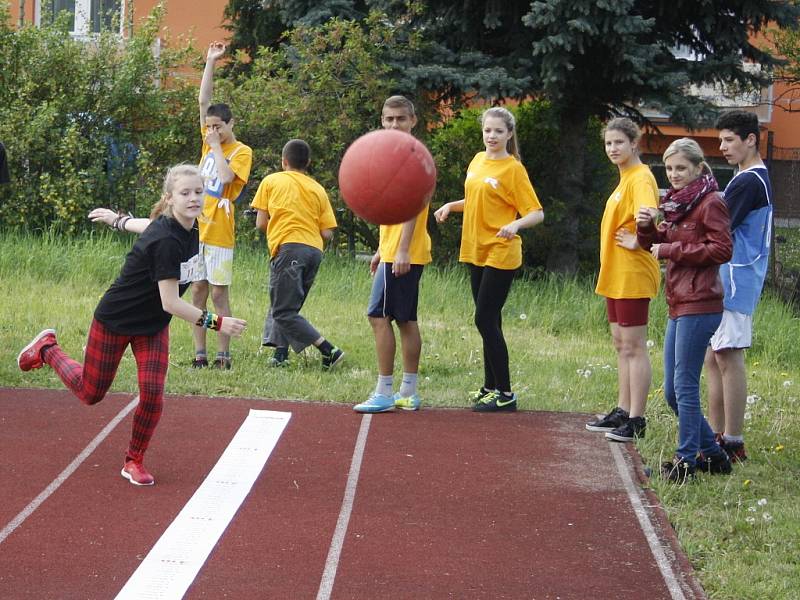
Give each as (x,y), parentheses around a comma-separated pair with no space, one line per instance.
(403,251)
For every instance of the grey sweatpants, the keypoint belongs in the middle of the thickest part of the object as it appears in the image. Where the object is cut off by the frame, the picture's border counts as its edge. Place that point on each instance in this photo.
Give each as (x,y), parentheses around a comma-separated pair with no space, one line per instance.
(291,275)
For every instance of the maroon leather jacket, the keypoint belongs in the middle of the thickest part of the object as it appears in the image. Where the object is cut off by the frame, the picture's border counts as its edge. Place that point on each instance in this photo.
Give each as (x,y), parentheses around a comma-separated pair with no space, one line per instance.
(694,248)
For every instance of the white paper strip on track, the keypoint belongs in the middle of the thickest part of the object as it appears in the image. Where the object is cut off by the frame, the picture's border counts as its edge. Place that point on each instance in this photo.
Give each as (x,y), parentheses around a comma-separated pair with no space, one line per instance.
(173,563)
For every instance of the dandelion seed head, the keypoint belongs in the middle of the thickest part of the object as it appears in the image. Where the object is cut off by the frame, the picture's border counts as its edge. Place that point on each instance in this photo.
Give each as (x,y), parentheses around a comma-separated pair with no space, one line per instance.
(750,520)
(767,517)
(747,416)
(787,383)
(762,502)
(650,343)
(523,316)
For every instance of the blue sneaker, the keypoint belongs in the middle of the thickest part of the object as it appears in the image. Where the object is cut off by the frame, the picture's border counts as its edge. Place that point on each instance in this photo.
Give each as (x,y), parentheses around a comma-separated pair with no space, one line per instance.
(411,402)
(376,403)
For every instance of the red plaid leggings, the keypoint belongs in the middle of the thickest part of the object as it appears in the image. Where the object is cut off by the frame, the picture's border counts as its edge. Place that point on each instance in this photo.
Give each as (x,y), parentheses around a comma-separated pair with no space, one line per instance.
(104,350)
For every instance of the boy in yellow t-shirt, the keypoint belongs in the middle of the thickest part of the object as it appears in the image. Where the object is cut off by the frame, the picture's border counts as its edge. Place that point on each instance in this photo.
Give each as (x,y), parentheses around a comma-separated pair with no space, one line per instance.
(225,165)
(403,251)
(295,213)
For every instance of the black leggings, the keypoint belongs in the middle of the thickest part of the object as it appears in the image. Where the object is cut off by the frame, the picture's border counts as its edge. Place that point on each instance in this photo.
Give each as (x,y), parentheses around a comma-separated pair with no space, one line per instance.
(490,289)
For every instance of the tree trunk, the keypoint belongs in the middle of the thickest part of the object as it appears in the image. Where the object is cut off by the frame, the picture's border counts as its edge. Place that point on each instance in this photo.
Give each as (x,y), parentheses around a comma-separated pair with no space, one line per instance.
(21,21)
(563,257)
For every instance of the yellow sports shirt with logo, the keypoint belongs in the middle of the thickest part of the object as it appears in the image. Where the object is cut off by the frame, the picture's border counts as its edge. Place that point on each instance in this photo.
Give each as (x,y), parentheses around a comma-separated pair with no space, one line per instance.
(495,192)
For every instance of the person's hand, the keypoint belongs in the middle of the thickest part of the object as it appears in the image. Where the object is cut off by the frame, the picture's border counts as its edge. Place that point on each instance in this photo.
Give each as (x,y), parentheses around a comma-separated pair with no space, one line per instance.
(374,262)
(654,250)
(626,239)
(646,216)
(212,137)
(401,263)
(233,326)
(103,215)
(508,231)
(215,50)
(442,213)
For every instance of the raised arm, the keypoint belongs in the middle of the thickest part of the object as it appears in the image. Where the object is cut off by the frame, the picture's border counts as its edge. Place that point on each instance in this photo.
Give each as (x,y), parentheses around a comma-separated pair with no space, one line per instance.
(215,51)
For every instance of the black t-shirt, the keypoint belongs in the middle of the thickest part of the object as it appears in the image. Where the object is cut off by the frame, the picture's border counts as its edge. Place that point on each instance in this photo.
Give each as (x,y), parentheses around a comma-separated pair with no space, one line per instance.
(4,178)
(132,305)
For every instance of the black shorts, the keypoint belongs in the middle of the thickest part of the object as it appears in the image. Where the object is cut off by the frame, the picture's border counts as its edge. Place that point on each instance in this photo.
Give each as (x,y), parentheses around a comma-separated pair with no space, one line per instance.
(395,297)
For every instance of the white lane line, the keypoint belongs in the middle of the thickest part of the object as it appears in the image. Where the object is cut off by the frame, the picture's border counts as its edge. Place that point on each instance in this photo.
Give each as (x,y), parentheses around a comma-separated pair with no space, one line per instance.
(634,494)
(62,477)
(174,561)
(335,550)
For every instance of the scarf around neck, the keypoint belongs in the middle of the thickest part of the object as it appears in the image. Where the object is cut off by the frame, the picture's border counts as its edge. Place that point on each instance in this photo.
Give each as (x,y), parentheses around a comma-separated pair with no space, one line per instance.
(679,203)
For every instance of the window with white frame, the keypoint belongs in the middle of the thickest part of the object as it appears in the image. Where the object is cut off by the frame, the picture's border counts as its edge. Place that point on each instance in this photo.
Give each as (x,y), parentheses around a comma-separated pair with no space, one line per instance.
(86,16)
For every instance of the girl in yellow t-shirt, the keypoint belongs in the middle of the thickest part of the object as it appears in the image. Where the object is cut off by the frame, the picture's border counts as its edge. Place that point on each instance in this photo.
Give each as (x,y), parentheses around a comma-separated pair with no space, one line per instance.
(629,278)
(496,191)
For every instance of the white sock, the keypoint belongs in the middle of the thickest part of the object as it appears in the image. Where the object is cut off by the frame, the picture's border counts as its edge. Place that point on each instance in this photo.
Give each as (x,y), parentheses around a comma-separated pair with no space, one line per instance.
(733,438)
(408,387)
(385,385)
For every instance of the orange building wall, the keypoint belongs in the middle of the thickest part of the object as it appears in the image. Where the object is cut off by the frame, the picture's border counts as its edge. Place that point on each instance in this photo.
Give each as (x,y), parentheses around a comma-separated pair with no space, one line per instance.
(200,19)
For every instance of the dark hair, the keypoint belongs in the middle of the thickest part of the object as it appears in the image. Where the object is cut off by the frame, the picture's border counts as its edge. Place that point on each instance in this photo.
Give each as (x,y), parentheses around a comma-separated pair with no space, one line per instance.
(626,126)
(297,153)
(400,102)
(222,111)
(740,122)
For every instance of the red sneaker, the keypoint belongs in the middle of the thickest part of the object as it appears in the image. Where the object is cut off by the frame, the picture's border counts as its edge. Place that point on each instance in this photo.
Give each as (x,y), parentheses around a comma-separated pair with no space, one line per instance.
(136,473)
(31,355)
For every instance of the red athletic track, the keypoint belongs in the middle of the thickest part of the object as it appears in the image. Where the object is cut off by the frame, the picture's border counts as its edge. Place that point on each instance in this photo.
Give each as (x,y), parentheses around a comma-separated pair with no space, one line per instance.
(449,504)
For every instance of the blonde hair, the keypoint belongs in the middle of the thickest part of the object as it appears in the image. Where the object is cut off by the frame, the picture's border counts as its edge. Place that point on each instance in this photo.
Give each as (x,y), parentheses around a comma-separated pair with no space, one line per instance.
(162,207)
(626,126)
(511,123)
(691,150)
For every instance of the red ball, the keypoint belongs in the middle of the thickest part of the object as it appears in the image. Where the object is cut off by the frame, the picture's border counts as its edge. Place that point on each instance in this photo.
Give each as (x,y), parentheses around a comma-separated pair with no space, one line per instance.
(387,176)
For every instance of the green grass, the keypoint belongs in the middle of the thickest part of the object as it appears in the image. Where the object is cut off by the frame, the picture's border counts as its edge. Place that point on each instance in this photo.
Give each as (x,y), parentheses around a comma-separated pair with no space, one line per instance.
(741,532)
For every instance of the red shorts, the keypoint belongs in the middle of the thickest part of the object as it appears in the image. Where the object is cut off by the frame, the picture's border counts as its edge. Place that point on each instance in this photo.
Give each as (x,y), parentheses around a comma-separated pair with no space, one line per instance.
(628,312)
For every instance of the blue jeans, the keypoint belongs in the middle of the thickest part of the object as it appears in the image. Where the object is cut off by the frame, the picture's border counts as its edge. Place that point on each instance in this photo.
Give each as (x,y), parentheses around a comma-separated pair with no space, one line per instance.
(685,343)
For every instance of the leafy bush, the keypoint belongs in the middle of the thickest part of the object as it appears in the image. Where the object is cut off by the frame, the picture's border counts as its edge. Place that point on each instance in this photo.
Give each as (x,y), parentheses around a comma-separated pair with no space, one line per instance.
(325,85)
(89,122)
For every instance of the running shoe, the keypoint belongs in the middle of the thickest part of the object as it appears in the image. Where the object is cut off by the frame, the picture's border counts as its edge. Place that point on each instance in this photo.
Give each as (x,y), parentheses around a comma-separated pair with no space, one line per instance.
(411,402)
(376,403)
(496,402)
(331,360)
(616,418)
(632,429)
(31,355)
(135,472)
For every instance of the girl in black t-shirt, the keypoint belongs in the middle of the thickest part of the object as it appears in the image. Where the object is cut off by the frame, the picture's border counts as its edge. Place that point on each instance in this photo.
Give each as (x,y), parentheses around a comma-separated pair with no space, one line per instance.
(136,311)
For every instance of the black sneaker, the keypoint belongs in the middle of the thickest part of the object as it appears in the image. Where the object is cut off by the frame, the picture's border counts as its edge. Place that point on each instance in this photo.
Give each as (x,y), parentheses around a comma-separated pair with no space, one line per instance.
(719,463)
(632,429)
(280,358)
(331,360)
(678,471)
(199,363)
(734,450)
(496,402)
(222,363)
(612,420)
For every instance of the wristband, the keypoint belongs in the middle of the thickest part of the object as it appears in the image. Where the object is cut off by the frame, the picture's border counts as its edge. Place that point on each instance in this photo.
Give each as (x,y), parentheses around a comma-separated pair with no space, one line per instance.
(121,222)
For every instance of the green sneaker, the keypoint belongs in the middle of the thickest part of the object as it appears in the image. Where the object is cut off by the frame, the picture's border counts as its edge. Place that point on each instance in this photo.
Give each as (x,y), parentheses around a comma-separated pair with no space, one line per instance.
(411,402)
(477,395)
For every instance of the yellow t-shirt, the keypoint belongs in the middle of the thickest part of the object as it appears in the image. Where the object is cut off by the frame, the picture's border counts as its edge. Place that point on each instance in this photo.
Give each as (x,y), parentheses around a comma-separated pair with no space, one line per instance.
(419,250)
(298,209)
(217,226)
(495,192)
(627,274)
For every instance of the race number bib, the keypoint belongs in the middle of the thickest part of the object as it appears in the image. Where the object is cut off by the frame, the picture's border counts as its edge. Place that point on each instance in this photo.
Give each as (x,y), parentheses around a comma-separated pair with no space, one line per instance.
(191,269)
